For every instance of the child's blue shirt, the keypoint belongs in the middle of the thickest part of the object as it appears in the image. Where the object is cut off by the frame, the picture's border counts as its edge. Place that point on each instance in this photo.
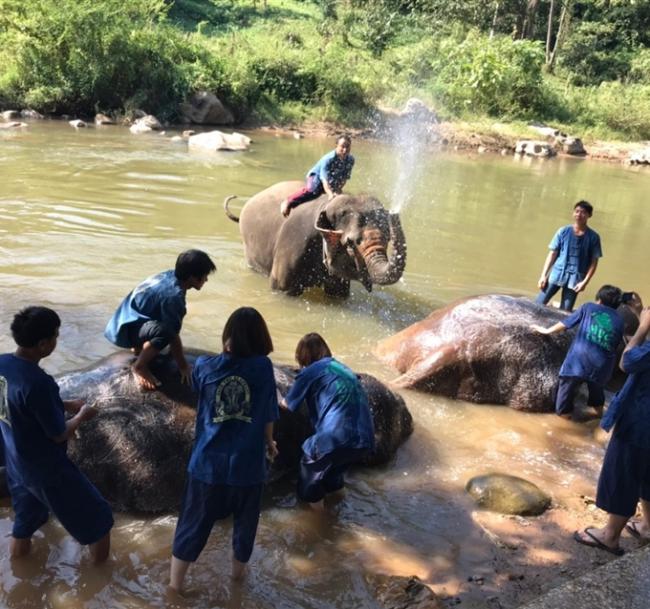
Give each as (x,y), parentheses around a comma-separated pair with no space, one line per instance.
(592,354)
(338,408)
(31,414)
(237,398)
(159,298)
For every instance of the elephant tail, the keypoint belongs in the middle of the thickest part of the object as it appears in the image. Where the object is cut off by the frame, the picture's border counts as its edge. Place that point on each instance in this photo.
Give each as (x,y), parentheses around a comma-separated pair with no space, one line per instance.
(232,216)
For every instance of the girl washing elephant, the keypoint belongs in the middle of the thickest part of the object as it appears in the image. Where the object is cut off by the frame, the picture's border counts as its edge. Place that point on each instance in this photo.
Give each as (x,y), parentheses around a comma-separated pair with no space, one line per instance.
(236,410)
(339,412)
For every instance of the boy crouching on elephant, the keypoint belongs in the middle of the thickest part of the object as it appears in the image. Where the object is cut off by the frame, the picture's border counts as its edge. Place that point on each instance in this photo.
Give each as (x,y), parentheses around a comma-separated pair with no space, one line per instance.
(41,478)
(150,317)
(592,355)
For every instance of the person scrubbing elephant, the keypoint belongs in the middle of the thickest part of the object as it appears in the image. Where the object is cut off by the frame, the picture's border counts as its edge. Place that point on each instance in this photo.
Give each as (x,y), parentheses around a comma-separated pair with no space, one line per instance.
(328,176)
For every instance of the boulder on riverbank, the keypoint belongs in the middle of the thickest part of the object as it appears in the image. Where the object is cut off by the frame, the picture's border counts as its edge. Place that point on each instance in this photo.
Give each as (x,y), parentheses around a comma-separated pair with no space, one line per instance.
(29,113)
(508,495)
(415,120)
(9,115)
(103,119)
(640,157)
(535,148)
(145,124)
(217,140)
(205,108)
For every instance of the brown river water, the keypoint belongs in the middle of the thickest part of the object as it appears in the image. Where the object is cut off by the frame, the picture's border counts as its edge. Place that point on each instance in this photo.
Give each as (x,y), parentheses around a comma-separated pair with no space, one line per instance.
(86,215)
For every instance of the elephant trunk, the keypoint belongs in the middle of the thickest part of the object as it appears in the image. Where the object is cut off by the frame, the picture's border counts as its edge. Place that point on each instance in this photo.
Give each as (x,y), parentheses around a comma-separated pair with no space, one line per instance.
(382,269)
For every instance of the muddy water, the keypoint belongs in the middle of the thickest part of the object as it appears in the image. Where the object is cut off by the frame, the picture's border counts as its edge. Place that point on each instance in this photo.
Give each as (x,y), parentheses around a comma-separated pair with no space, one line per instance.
(86,215)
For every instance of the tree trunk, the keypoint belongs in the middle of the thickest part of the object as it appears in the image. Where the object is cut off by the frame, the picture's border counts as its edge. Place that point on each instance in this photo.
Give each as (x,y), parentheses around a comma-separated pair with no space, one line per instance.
(549,31)
(494,19)
(561,32)
(528,27)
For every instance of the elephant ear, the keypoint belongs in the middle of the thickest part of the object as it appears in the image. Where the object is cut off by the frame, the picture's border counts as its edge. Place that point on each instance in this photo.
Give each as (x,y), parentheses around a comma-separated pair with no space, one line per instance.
(324,227)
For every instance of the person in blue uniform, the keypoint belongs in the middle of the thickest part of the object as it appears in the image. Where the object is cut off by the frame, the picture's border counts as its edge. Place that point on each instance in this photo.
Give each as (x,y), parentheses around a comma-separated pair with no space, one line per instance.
(328,176)
(234,437)
(592,355)
(41,478)
(339,413)
(572,259)
(625,473)
(150,317)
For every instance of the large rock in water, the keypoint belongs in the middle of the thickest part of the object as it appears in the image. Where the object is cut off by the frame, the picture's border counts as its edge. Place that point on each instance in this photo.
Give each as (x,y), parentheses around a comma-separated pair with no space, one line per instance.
(137,448)
(508,495)
(217,140)
(204,108)
(482,349)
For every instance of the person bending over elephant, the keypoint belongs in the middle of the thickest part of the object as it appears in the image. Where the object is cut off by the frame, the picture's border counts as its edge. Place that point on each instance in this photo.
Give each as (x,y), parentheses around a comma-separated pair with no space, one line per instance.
(234,436)
(150,317)
(339,413)
(328,176)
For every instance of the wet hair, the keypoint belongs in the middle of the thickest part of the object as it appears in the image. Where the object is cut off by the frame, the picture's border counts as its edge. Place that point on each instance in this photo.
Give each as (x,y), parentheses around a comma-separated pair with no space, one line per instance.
(346,138)
(610,296)
(628,297)
(34,324)
(311,347)
(588,207)
(193,263)
(245,334)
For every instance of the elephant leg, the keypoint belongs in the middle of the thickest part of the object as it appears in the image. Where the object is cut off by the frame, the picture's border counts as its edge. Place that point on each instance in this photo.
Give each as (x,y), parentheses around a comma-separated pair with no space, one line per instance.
(337,287)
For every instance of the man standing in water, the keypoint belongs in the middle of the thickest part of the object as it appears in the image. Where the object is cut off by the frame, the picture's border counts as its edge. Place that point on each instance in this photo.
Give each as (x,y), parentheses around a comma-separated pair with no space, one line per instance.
(329,176)
(572,260)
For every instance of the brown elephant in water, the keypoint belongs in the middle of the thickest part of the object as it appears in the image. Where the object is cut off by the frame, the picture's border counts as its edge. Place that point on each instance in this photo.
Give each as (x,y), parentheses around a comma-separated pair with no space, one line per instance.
(137,448)
(322,243)
(482,350)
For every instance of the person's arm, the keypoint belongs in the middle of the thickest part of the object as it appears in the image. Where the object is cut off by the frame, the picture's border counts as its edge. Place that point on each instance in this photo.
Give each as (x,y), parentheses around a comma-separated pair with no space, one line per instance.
(85,413)
(73,406)
(271,446)
(548,263)
(636,355)
(554,329)
(581,285)
(176,349)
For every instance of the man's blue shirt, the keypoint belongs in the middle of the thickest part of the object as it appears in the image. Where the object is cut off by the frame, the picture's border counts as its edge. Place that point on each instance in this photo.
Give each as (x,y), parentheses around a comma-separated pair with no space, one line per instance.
(592,354)
(159,298)
(31,414)
(574,255)
(338,408)
(630,409)
(237,398)
(333,169)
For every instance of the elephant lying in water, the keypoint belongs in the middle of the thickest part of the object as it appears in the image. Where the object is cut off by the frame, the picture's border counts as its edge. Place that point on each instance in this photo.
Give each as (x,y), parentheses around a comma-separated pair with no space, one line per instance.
(482,350)
(322,243)
(137,448)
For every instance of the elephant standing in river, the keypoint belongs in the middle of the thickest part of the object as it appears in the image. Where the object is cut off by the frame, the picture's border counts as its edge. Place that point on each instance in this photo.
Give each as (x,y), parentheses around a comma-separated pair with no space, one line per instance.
(322,242)
(137,448)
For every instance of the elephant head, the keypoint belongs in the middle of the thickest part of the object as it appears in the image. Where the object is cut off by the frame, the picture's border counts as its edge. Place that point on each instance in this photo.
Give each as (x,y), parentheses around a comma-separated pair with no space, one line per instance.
(356,232)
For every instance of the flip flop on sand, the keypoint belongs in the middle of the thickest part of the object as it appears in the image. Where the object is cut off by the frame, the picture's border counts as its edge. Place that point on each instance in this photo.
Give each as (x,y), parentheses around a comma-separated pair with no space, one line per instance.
(594,542)
(632,528)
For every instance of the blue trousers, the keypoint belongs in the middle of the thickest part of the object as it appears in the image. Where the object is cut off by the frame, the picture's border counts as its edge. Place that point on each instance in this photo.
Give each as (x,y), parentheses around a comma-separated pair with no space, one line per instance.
(567,299)
(566,392)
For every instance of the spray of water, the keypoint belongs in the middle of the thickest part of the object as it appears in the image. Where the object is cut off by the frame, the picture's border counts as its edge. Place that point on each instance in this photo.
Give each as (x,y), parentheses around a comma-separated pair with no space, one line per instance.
(409,136)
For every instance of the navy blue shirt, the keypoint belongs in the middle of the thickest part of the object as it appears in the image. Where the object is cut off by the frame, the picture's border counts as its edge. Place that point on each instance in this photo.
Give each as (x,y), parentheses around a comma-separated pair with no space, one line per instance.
(335,170)
(574,255)
(630,409)
(158,298)
(338,408)
(592,355)
(31,414)
(237,398)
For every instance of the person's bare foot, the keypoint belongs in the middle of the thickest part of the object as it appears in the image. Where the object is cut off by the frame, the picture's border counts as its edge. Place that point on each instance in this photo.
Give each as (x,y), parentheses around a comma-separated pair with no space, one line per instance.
(238,570)
(285,210)
(144,378)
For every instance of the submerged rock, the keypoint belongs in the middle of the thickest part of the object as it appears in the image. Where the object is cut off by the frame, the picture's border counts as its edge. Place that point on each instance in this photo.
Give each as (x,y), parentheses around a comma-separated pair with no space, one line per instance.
(103,119)
(508,495)
(217,140)
(145,124)
(77,123)
(535,148)
(398,592)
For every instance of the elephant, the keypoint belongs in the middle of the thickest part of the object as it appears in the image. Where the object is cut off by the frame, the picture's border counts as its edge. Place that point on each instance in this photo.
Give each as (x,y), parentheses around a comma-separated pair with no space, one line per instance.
(322,243)
(481,349)
(137,448)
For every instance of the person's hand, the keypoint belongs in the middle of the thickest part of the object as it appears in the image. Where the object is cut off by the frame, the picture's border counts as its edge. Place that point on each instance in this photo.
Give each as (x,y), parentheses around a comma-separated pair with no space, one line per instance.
(542,283)
(579,287)
(271,450)
(538,329)
(73,406)
(87,412)
(186,372)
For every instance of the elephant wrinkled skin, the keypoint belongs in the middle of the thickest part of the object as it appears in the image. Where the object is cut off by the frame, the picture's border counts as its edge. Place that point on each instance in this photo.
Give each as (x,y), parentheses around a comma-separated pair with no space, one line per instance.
(137,448)
(482,350)
(322,243)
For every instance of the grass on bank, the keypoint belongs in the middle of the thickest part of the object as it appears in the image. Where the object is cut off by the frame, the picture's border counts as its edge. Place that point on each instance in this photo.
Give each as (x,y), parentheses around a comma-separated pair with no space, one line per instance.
(292,62)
